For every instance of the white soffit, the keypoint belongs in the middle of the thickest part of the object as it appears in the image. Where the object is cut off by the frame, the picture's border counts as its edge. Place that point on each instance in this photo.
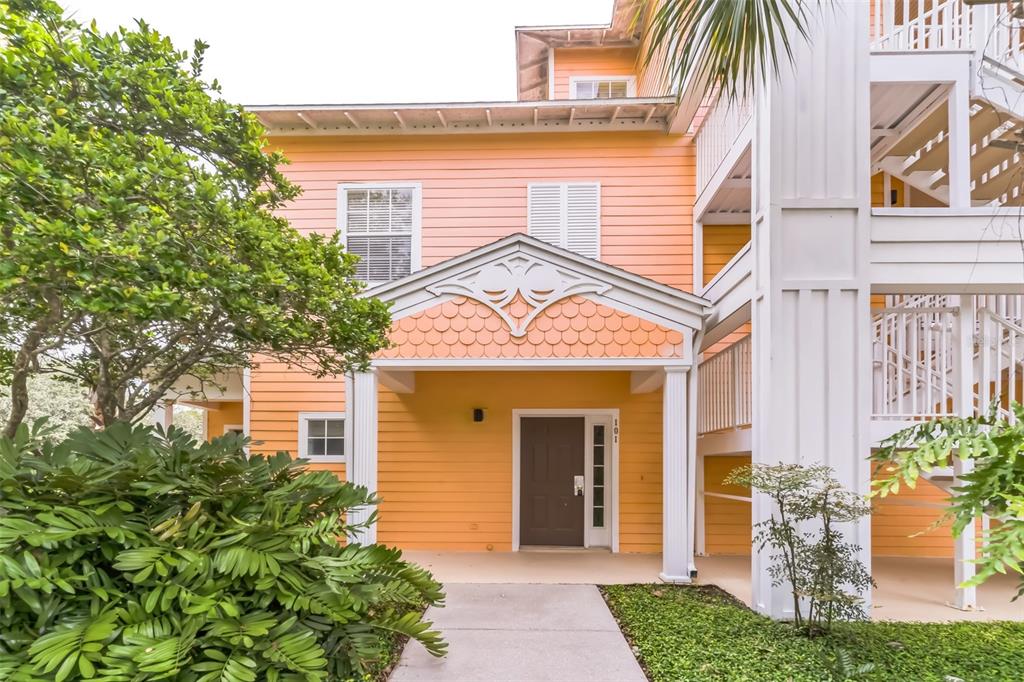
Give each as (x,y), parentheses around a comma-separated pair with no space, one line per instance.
(632,113)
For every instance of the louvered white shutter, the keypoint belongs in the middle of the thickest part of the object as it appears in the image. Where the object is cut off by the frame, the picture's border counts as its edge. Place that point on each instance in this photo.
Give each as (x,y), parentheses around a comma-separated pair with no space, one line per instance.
(583,218)
(544,213)
(566,215)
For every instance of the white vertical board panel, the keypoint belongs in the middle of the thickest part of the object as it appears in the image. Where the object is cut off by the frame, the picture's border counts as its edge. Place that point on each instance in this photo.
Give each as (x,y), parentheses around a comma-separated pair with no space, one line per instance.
(811,202)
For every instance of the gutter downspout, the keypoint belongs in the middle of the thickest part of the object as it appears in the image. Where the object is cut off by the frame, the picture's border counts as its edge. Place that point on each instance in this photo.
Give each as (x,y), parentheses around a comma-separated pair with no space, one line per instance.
(691,451)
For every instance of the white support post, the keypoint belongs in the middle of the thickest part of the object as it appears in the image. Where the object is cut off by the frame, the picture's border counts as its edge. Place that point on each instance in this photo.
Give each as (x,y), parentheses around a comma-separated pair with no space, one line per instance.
(676,547)
(964,547)
(700,543)
(165,414)
(698,256)
(959,144)
(811,322)
(361,405)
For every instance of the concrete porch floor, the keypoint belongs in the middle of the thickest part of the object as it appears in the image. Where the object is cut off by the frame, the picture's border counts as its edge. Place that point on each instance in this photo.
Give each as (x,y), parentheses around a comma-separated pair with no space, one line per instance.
(909,589)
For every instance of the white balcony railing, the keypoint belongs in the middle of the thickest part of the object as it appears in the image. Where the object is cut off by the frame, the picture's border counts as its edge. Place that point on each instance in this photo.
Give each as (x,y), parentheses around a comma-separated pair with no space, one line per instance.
(724,389)
(932,25)
(717,134)
(902,25)
(923,356)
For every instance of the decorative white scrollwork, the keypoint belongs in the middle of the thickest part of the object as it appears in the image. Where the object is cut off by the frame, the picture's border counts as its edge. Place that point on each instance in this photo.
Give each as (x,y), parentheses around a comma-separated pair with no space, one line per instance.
(539,283)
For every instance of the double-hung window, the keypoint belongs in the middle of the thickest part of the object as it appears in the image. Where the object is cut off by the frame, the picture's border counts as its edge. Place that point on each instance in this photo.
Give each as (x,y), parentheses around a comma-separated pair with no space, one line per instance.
(566,214)
(322,436)
(380,223)
(602,87)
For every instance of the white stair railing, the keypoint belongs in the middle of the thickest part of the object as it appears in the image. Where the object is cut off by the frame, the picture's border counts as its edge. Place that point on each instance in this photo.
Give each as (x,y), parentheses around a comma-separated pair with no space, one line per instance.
(717,133)
(724,389)
(915,374)
(1000,363)
(913,362)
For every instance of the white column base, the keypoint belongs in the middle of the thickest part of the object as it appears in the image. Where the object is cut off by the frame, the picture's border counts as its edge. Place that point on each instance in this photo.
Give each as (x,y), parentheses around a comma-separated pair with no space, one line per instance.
(676,550)
(675,579)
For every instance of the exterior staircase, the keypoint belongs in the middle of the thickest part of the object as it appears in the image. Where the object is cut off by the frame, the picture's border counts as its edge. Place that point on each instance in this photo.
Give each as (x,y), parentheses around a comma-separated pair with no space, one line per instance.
(918,350)
(920,158)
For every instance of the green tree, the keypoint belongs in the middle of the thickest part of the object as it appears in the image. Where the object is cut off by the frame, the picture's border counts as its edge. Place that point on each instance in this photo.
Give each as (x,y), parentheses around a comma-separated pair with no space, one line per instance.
(138,241)
(993,447)
(722,45)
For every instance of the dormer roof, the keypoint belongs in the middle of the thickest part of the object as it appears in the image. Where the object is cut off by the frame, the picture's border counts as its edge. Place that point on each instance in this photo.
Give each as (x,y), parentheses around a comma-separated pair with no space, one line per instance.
(534,45)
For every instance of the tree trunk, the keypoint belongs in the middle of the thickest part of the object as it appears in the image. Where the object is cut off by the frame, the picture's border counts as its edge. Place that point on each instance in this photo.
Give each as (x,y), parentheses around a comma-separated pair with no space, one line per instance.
(23,360)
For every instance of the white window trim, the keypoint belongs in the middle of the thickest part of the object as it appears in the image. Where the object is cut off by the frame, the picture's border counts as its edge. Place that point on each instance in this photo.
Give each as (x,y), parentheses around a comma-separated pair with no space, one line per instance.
(228,428)
(565,225)
(304,418)
(415,258)
(630,82)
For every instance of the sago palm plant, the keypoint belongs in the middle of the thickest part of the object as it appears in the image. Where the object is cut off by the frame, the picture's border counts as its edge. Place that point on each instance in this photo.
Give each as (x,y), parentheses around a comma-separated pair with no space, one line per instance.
(128,554)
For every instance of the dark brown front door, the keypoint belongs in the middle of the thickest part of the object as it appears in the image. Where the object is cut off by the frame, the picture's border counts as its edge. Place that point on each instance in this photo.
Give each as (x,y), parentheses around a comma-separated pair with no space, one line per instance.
(551,456)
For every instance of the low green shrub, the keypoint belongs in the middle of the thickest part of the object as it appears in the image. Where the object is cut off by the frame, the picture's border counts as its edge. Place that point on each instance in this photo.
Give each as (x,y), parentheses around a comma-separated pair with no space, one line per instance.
(701,633)
(130,554)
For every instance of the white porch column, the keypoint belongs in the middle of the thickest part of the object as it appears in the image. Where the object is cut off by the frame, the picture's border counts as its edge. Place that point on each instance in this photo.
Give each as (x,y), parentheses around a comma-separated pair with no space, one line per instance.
(965,547)
(811,339)
(361,409)
(677,550)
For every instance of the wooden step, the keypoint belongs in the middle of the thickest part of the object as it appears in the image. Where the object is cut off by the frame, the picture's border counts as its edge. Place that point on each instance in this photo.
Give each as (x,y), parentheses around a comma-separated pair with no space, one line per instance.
(918,137)
(932,159)
(1004,183)
(989,157)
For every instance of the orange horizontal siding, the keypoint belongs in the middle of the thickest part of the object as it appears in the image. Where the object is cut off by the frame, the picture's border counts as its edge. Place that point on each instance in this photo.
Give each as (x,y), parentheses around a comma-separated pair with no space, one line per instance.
(727,528)
(474,188)
(446,481)
(721,243)
(586,62)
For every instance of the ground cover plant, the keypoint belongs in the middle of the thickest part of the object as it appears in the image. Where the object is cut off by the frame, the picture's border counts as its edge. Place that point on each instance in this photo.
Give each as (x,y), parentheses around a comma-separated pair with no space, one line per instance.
(127,555)
(701,633)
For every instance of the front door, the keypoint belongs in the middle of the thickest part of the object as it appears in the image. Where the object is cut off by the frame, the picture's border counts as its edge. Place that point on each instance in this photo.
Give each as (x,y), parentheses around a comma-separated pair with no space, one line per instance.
(551,457)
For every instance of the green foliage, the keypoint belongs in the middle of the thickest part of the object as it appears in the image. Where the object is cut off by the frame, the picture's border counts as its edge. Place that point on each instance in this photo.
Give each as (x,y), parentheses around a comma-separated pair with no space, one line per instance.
(991,445)
(724,45)
(138,235)
(685,633)
(818,565)
(128,554)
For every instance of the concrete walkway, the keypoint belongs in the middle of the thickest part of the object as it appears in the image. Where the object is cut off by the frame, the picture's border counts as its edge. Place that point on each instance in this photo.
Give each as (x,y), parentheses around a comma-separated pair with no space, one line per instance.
(523,632)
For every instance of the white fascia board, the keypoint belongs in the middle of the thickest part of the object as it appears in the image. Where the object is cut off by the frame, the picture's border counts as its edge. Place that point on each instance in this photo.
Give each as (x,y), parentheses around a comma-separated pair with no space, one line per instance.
(429,107)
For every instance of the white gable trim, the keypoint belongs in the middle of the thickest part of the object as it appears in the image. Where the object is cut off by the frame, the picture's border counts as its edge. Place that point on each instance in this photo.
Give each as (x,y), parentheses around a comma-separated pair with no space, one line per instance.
(625,291)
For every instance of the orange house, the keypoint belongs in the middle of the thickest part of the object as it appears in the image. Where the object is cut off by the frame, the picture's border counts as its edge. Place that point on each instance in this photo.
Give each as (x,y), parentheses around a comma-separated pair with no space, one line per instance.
(561,268)
(538,259)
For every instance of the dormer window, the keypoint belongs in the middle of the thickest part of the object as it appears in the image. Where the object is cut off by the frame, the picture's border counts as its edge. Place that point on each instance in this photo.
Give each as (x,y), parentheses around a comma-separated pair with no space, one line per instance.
(602,87)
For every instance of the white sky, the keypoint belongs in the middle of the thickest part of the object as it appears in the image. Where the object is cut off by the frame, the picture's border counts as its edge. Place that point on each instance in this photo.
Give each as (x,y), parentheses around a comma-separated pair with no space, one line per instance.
(351,51)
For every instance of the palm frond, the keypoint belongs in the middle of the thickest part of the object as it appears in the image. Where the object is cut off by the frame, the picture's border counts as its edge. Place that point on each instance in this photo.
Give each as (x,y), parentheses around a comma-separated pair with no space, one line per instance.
(723,45)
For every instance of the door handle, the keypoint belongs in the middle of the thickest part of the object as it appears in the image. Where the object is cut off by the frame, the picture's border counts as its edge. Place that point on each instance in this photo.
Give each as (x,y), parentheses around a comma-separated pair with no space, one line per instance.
(577,485)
